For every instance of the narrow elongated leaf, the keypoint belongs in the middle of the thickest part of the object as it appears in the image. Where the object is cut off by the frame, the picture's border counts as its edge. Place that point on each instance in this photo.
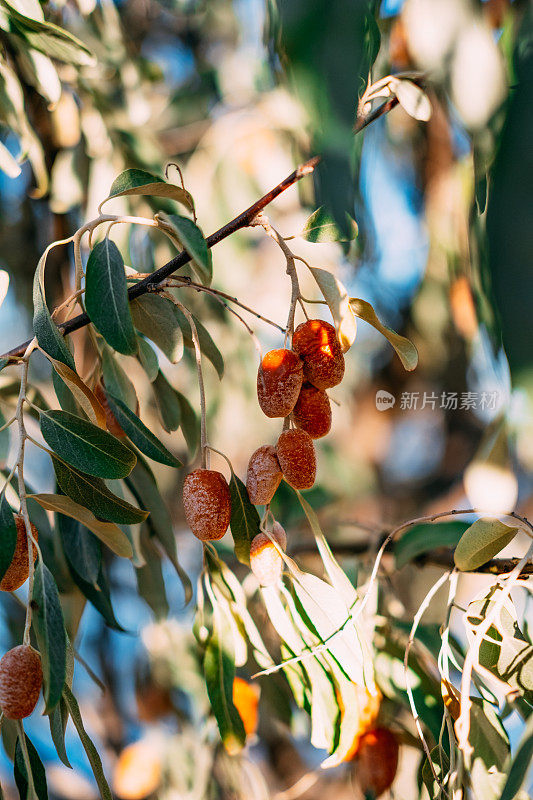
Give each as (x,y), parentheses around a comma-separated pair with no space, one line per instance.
(81,547)
(140,435)
(426,537)
(327,611)
(407,352)
(338,300)
(168,403)
(150,581)
(58,719)
(154,316)
(109,533)
(520,764)
(90,749)
(244,523)
(81,392)
(412,99)
(207,345)
(139,182)
(38,772)
(99,596)
(45,329)
(193,241)
(8,162)
(481,542)
(148,359)
(50,631)
(490,750)
(65,398)
(106,297)
(321,227)
(85,446)
(116,381)
(8,535)
(144,487)
(93,494)
(4,282)
(190,424)
(219,668)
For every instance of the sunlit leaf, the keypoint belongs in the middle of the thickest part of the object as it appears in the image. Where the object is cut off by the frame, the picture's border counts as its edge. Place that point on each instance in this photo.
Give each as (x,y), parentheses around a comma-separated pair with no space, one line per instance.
(109,533)
(412,99)
(4,276)
(47,620)
(85,446)
(321,227)
(405,349)
(338,300)
(154,317)
(9,165)
(481,542)
(106,297)
(219,668)
(139,182)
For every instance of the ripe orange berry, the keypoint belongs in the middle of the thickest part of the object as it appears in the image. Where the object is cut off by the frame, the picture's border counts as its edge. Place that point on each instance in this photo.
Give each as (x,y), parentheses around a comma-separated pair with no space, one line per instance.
(21,678)
(207,503)
(312,412)
(112,424)
(138,771)
(264,475)
(265,561)
(376,761)
(19,569)
(246,701)
(296,456)
(279,381)
(317,344)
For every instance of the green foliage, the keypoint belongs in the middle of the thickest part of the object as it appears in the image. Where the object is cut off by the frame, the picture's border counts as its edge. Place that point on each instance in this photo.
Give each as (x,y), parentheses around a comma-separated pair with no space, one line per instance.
(50,632)
(106,297)
(33,785)
(244,521)
(8,535)
(481,541)
(140,435)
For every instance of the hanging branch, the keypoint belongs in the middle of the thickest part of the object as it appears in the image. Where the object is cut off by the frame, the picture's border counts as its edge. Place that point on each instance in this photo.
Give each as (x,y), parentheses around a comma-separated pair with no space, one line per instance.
(243,220)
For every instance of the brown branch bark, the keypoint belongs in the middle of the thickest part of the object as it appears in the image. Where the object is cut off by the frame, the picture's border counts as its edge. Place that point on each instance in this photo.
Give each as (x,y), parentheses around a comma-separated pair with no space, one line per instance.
(243,220)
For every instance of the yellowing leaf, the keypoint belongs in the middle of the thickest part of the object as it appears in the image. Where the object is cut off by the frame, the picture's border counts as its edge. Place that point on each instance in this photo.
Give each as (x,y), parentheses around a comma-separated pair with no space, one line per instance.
(109,533)
(405,349)
(336,296)
(481,542)
(81,392)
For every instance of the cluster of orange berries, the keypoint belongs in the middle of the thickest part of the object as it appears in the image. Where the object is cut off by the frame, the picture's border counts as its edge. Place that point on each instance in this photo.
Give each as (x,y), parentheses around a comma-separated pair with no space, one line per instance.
(290,384)
(21,675)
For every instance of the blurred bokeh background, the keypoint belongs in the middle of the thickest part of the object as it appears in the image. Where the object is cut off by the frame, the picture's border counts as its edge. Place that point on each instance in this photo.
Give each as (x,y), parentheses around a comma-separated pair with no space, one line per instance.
(237,94)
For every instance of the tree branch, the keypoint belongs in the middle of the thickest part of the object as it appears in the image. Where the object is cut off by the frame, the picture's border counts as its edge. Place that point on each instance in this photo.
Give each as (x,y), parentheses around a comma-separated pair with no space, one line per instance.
(243,220)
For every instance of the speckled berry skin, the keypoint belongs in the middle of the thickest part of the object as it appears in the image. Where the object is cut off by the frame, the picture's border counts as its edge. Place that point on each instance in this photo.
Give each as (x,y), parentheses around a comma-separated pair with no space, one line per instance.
(112,424)
(265,561)
(264,475)
(21,678)
(297,459)
(376,761)
(279,380)
(317,344)
(207,503)
(312,412)
(19,569)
